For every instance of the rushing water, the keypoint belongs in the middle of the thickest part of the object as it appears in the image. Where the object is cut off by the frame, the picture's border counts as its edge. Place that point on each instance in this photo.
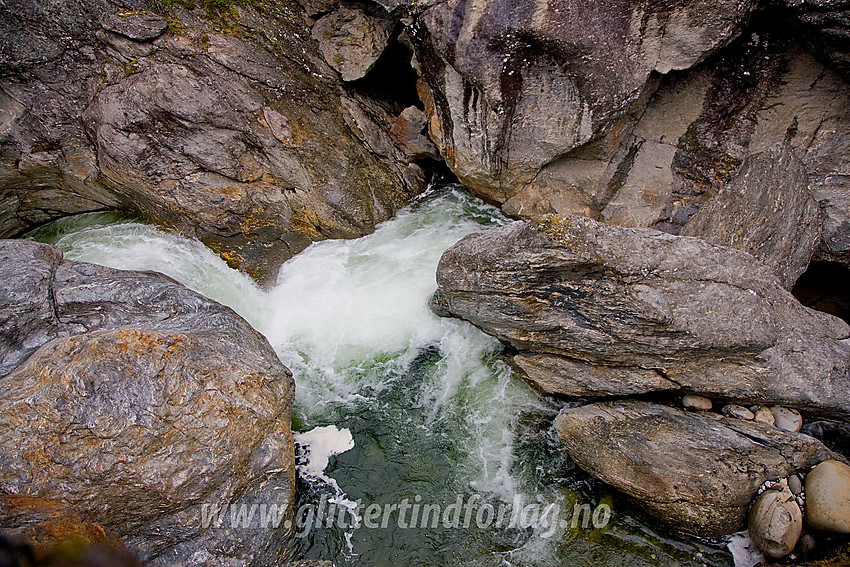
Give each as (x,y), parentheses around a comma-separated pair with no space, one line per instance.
(397,405)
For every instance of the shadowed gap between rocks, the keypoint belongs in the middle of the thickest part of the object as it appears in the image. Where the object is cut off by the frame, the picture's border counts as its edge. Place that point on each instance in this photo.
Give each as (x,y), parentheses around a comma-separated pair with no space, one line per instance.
(825,286)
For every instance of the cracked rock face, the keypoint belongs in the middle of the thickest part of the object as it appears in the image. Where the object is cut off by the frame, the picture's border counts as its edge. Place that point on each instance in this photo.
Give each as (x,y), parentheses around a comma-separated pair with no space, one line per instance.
(697,471)
(233,134)
(596,310)
(135,402)
(516,85)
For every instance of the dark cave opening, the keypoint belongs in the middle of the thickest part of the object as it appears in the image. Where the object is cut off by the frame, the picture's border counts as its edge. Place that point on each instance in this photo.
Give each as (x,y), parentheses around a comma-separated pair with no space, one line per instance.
(392,81)
(825,286)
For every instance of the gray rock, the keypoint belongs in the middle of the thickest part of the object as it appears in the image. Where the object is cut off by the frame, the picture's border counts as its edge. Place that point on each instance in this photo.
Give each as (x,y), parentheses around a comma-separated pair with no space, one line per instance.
(696,471)
(787,418)
(137,25)
(352,41)
(738,412)
(766,210)
(828,497)
(515,86)
(697,403)
(775,523)
(705,319)
(408,133)
(239,139)
(825,25)
(795,485)
(139,403)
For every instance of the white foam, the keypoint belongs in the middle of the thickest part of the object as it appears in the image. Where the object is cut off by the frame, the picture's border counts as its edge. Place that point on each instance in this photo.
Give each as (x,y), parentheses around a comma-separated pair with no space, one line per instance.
(743,550)
(321,444)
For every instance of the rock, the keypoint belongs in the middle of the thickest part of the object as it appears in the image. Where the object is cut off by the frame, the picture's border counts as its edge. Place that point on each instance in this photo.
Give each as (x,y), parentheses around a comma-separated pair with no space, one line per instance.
(701,318)
(738,412)
(698,403)
(696,471)
(766,210)
(775,523)
(787,418)
(352,41)
(833,434)
(795,485)
(138,404)
(239,139)
(138,25)
(765,416)
(806,544)
(408,134)
(825,25)
(828,497)
(515,86)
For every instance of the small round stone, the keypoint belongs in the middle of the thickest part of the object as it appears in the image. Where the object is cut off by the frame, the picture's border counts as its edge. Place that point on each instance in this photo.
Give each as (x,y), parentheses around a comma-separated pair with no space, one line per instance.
(795,484)
(738,412)
(828,497)
(776,523)
(787,418)
(765,416)
(806,544)
(698,403)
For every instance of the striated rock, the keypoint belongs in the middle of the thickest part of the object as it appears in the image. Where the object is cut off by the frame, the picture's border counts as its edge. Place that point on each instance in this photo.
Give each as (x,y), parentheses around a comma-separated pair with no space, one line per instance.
(828,497)
(826,28)
(738,412)
(704,319)
(787,418)
(775,522)
(136,403)
(697,403)
(696,471)
(235,136)
(766,210)
(514,86)
(352,41)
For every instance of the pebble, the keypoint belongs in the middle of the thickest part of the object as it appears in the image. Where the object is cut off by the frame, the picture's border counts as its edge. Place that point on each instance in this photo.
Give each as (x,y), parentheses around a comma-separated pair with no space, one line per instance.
(787,418)
(776,522)
(795,484)
(693,402)
(828,497)
(764,415)
(738,412)
(806,544)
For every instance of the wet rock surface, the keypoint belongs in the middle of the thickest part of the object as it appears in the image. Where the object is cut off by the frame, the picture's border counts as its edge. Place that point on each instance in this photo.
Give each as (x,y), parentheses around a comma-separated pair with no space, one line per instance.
(134,402)
(704,319)
(697,471)
(227,127)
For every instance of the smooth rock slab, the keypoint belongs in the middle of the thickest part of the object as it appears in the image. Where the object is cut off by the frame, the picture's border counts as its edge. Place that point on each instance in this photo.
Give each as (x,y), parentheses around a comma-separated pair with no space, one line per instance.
(696,471)
(828,497)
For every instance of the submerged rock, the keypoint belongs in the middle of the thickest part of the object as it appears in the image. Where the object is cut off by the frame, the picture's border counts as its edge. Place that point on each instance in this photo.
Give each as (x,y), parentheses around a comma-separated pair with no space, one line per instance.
(138,404)
(696,471)
(678,313)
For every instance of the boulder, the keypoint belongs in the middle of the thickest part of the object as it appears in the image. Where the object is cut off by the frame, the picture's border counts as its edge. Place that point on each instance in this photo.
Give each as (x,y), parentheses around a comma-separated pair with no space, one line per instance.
(696,471)
(351,41)
(232,134)
(766,210)
(828,497)
(775,522)
(516,85)
(629,302)
(137,404)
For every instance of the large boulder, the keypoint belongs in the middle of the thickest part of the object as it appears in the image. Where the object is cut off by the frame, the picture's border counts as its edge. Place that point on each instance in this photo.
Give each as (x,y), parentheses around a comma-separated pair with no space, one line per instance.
(513,86)
(606,310)
(768,211)
(228,127)
(696,471)
(136,403)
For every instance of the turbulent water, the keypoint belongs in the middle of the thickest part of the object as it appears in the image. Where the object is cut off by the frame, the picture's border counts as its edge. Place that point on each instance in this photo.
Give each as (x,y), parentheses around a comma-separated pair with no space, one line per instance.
(397,405)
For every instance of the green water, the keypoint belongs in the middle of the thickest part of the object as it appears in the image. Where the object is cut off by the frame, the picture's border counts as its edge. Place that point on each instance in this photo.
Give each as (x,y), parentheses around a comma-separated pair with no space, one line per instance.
(432,410)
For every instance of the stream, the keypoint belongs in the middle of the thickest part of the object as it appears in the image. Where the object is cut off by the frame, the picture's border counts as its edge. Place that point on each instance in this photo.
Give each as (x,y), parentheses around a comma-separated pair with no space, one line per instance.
(395,405)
